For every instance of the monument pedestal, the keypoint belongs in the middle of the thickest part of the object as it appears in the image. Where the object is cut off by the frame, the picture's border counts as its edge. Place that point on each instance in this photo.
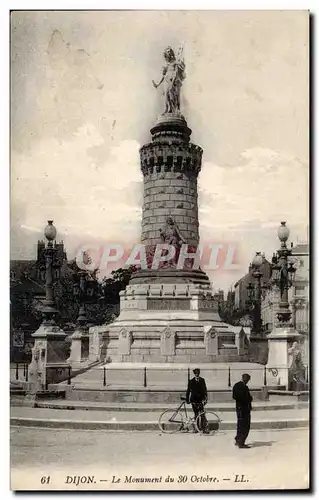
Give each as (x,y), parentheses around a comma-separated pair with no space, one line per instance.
(48,364)
(279,359)
(258,349)
(172,323)
(95,341)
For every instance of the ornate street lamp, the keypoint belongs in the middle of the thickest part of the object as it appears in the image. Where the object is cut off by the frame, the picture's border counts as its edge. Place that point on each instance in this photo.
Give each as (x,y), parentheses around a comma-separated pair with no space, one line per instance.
(283,274)
(85,290)
(254,292)
(51,262)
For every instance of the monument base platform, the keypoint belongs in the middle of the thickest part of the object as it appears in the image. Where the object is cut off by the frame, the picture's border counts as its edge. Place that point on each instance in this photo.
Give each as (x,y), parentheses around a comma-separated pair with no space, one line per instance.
(168,323)
(153,395)
(169,376)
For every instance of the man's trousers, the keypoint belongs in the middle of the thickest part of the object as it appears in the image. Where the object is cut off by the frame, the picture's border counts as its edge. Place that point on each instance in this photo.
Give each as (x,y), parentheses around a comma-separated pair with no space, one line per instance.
(243,425)
(198,408)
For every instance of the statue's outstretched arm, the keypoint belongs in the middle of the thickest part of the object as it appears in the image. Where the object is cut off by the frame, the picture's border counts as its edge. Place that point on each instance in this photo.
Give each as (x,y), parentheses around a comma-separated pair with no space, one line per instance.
(159,83)
(161,80)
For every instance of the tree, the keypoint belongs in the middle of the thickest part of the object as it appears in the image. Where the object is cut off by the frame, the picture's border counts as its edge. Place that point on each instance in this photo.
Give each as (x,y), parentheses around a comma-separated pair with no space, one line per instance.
(106,306)
(25,309)
(116,283)
(25,319)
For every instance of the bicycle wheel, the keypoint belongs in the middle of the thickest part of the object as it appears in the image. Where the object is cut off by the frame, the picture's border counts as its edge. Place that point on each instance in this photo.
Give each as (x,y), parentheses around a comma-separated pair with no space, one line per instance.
(171,421)
(208,421)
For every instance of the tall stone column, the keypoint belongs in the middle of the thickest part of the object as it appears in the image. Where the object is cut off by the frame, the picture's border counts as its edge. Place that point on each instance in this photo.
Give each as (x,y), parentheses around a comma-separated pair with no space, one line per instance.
(170,165)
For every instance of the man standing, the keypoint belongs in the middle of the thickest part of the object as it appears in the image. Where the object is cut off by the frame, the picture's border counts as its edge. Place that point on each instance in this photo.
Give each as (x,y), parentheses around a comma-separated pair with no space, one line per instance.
(197,395)
(243,400)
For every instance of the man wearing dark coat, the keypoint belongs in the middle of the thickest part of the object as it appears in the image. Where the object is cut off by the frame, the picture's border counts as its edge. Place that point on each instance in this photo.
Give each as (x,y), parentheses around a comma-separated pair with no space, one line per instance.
(196,394)
(243,399)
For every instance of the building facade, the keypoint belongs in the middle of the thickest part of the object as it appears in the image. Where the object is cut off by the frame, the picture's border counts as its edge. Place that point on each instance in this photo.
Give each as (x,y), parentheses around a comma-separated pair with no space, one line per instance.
(241,286)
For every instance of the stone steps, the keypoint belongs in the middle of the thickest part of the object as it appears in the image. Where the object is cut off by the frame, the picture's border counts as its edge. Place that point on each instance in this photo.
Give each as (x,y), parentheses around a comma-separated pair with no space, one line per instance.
(147,395)
(258,406)
(144,421)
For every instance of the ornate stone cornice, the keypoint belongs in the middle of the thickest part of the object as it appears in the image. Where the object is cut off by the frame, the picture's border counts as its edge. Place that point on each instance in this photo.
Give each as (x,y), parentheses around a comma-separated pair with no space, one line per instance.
(170,158)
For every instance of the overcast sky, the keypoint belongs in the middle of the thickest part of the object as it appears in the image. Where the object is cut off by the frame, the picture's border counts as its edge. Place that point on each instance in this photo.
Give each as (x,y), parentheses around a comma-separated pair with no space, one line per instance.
(82,104)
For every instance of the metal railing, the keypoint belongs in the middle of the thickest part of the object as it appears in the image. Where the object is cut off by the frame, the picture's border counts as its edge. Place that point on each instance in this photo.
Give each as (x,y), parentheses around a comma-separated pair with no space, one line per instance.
(226,376)
(146,376)
(19,371)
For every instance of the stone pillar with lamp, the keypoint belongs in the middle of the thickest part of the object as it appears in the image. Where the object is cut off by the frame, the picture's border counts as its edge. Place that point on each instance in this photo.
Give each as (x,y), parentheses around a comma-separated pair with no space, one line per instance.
(48,364)
(283,335)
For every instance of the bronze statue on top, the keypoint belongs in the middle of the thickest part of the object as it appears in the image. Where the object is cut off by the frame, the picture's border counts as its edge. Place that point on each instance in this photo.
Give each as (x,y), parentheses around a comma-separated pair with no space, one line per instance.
(172,77)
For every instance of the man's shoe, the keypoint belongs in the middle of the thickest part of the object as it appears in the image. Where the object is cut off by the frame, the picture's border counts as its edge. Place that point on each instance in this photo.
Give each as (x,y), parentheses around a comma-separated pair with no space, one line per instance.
(243,446)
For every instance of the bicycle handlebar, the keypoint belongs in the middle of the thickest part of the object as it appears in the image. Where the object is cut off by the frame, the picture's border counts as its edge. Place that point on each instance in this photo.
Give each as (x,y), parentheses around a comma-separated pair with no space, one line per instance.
(204,402)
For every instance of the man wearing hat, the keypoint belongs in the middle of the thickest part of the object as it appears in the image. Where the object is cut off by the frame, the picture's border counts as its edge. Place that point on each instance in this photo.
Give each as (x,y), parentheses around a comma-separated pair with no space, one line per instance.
(243,400)
(196,394)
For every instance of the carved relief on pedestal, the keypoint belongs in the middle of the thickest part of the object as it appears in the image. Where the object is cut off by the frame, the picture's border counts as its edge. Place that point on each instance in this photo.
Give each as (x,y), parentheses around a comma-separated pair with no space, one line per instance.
(211,340)
(37,366)
(168,342)
(94,343)
(125,341)
(297,370)
(243,343)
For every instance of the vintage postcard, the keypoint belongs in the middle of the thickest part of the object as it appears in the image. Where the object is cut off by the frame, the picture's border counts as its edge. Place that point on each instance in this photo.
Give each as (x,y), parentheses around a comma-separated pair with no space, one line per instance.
(159,272)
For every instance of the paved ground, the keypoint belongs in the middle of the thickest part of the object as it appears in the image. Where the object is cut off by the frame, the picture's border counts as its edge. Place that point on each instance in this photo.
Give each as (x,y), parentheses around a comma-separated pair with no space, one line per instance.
(277,459)
(140,416)
(274,403)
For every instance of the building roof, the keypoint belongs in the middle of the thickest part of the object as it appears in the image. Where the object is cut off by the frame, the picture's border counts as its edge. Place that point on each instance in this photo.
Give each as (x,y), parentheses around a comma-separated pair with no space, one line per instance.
(27,285)
(248,276)
(302,248)
(19,267)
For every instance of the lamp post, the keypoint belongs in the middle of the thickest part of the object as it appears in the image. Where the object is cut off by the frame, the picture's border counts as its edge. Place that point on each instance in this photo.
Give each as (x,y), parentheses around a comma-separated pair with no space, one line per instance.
(49,311)
(52,271)
(85,290)
(283,275)
(254,294)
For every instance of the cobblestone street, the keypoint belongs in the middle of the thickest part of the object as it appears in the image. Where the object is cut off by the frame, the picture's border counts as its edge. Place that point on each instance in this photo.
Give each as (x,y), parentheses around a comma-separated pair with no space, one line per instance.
(37,453)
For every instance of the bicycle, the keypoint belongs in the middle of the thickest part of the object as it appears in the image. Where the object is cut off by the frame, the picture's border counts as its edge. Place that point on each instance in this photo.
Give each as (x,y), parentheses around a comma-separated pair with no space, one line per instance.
(171,421)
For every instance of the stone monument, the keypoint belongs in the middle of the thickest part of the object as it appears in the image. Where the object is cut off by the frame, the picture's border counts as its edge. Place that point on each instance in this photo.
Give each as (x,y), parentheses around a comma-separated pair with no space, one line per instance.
(167,312)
